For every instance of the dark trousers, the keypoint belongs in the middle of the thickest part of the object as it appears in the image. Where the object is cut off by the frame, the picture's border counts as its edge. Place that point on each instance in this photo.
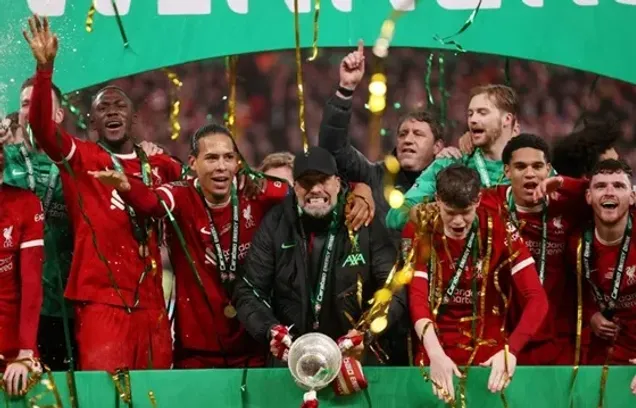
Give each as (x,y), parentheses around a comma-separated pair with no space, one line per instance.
(52,343)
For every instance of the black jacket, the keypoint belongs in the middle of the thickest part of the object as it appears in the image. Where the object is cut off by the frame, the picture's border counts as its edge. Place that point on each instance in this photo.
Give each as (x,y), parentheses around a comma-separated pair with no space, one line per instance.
(353,165)
(277,269)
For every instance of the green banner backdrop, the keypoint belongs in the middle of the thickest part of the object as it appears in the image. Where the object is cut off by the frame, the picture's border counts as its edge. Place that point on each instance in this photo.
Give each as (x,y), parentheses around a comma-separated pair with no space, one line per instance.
(585,34)
(532,387)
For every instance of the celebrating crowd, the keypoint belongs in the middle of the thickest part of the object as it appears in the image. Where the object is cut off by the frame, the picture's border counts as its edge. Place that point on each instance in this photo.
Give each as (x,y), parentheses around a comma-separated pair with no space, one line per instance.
(520,254)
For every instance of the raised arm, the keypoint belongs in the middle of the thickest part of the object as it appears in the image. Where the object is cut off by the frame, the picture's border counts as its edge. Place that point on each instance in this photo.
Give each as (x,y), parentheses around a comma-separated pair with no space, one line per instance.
(334,127)
(55,142)
(252,293)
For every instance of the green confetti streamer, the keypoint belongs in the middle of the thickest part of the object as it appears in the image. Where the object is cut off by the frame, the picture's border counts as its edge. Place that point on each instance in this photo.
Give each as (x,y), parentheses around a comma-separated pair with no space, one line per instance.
(81,123)
(448,41)
(120,24)
(429,70)
(442,90)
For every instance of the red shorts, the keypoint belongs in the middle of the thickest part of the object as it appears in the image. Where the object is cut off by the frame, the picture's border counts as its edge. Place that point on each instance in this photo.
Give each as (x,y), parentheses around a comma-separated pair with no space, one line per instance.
(195,359)
(109,338)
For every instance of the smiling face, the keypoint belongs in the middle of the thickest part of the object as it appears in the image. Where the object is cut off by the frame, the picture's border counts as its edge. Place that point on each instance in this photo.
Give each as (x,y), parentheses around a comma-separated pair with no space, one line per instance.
(317,193)
(416,145)
(216,165)
(112,116)
(610,195)
(527,168)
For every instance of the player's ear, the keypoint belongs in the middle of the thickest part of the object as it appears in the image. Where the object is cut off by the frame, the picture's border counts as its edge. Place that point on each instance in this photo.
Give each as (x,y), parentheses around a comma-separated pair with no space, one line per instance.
(506,171)
(134,119)
(192,162)
(549,166)
(588,197)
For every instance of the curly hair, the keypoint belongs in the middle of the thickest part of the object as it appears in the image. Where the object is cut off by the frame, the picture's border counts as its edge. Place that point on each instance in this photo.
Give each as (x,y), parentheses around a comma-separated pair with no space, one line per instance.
(577,154)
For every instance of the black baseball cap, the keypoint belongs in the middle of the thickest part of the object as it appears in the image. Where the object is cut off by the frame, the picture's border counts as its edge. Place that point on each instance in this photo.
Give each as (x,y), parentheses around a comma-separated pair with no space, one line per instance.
(316,159)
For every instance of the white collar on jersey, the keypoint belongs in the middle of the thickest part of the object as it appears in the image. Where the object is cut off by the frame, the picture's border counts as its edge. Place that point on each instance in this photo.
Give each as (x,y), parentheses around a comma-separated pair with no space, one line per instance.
(127,156)
(522,209)
(607,243)
(213,205)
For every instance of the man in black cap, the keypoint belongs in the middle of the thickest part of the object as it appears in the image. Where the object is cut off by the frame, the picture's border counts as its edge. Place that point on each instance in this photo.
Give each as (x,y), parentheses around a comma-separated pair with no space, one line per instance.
(305,272)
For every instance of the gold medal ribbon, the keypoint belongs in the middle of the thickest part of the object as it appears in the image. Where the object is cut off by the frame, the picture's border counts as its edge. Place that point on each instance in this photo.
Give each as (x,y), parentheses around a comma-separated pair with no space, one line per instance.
(299,79)
(314,51)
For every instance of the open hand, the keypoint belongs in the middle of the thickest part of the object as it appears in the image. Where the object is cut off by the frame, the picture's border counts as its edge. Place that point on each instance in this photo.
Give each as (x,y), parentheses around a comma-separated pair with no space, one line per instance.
(442,370)
(151,149)
(42,41)
(500,375)
(112,178)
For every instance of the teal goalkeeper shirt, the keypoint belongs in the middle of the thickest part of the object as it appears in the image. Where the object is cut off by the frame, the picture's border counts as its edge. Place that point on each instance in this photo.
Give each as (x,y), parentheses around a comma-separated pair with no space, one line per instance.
(491,174)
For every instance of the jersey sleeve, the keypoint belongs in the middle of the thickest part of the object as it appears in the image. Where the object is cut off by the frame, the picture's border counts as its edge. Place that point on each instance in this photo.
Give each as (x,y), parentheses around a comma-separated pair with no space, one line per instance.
(30,261)
(172,168)
(54,140)
(526,284)
(149,202)
(273,193)
(424,187)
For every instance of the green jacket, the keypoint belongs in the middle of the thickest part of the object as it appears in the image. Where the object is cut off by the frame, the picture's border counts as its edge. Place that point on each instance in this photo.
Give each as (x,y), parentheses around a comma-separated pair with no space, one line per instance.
(425,185)
(58,236)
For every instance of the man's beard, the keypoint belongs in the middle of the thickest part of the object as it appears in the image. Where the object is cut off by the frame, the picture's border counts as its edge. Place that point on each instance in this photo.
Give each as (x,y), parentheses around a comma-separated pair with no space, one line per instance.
(319,212)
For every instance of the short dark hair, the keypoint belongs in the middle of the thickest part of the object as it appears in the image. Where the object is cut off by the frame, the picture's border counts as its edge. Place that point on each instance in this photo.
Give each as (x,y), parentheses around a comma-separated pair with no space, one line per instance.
(458,186)
(504,97)
(611,166)
(207,130)
(56,91)
(525,140)
(428,116)
(14,117)
(577,154)
(111,88)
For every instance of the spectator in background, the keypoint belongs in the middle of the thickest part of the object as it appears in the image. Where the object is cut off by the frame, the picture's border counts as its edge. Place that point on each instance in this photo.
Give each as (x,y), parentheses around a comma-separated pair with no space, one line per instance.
(279,165)
(577,154)
(419,139)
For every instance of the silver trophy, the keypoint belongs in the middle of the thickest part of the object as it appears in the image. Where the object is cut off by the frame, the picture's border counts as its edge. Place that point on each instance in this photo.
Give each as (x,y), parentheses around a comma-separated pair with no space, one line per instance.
(314,361)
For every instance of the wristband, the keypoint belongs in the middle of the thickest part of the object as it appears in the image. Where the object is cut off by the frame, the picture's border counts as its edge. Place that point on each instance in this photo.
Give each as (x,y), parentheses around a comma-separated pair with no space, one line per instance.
(347,93)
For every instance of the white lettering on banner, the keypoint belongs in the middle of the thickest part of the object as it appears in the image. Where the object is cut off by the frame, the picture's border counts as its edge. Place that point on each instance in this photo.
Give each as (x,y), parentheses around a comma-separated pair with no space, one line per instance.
(180,7)
(57,8)
(469,4)
(105,7)
(403,5)
(47,7)
(304,6)
(342,5)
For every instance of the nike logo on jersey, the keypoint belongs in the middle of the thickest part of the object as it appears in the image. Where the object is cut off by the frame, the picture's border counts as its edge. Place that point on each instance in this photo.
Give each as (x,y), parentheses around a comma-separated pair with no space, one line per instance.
(205,231)
(287,246)
(116,201)
(18,173)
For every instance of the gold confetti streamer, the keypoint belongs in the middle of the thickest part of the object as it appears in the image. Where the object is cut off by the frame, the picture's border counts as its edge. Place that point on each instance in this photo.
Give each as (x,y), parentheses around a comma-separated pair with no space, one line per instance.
(314,52)
(175,126)
(153,400)
(299,80)
(231,70)
(89,17)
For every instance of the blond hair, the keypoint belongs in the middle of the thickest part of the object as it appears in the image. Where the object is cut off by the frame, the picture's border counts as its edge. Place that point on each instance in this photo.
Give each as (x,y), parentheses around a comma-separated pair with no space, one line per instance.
(276,160)
(504,97)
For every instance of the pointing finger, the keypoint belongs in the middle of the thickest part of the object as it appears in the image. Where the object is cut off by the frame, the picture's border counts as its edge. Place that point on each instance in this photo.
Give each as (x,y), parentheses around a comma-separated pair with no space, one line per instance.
(360,46)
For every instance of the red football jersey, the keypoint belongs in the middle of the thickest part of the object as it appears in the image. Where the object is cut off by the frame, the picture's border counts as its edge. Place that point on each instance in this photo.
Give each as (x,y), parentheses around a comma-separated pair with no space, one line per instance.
(21,256)
(602,265)
(564,213)
(455,323)
(196,328)
(107,265)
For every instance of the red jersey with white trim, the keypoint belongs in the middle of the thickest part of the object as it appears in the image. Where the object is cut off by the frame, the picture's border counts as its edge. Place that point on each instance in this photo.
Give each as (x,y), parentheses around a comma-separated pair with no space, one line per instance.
(564,212)
(21,257)
(196,328)
(107,266)
(602,265)
(455,322)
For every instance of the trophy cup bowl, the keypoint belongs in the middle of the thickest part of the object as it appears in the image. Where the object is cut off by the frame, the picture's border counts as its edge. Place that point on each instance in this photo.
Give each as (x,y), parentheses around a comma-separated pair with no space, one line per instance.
(314,361)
